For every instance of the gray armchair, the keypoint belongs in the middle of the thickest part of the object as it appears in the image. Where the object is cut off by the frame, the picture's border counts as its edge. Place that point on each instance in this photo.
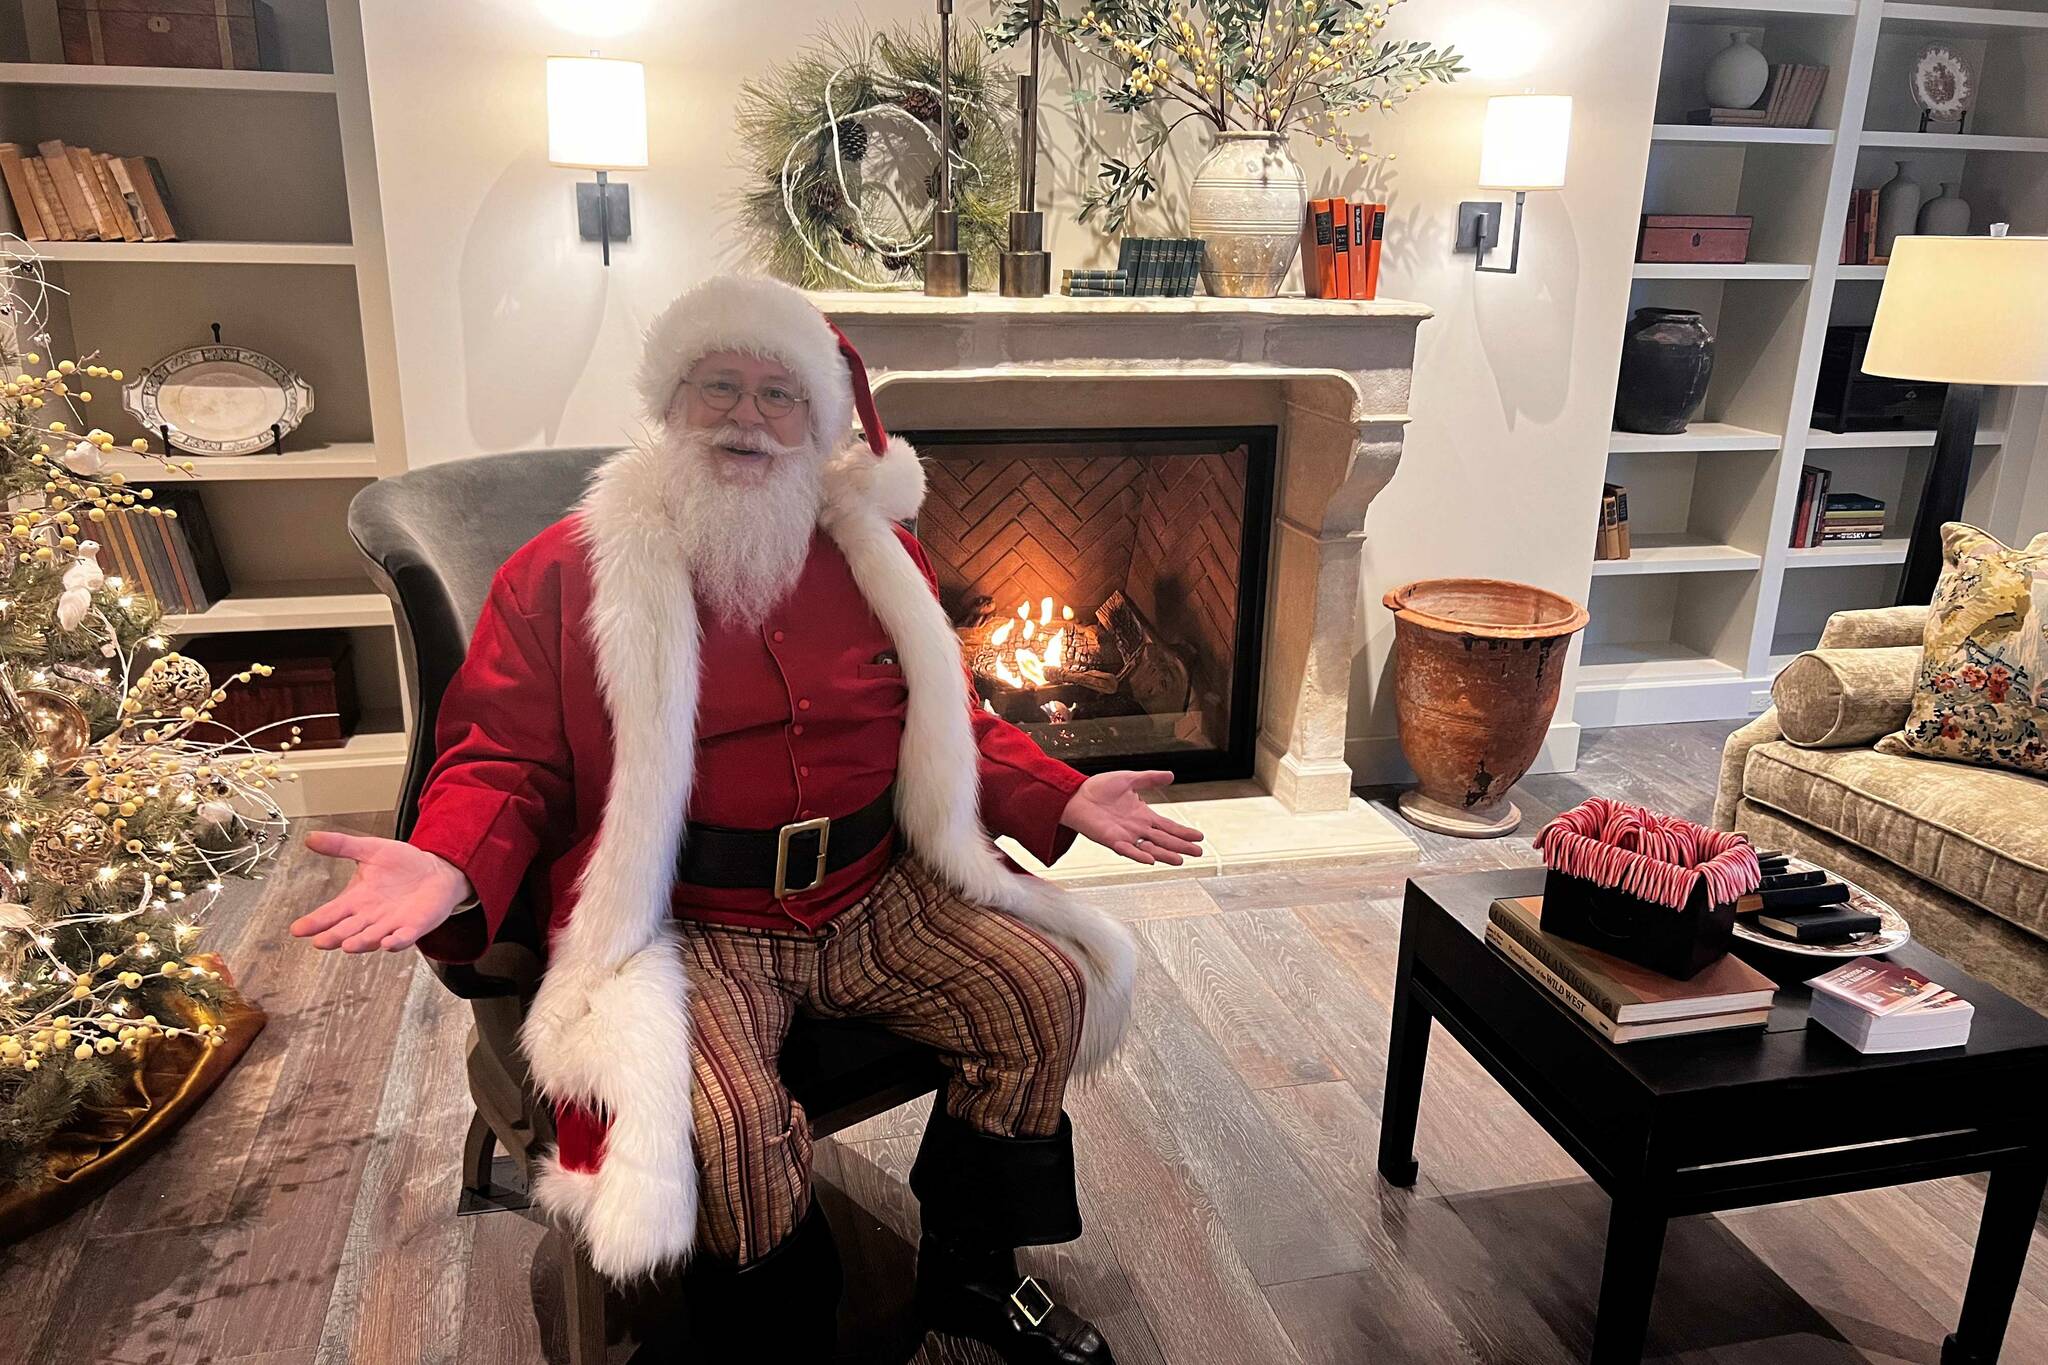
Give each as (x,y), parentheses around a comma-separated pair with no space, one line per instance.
(433,538)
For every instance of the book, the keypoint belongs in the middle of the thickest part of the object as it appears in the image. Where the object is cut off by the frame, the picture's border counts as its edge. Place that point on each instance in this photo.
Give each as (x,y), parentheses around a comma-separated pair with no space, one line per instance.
(1340,247)
(70,189)
(49,200)
(1624,991)
(102,208)
(1819,926)
(158,195)
(1610,1029)
(1879,1006)
(1359,248)
(1317,264)
(1794,898)
(17,178)
(1621,517)
(126,201)
(1375,240)
(110,195)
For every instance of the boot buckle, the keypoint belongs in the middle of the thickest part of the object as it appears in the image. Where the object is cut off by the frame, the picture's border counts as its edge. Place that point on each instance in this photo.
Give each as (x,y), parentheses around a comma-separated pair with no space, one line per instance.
(1030,1299)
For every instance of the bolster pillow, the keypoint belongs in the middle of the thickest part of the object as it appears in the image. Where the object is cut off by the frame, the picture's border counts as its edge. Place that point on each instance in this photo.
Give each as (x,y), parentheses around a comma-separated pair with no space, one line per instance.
(1833,698)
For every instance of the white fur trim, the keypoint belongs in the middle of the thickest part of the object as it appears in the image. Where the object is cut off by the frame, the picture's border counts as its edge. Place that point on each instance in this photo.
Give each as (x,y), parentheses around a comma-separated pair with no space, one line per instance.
(610,1025)
(758,316)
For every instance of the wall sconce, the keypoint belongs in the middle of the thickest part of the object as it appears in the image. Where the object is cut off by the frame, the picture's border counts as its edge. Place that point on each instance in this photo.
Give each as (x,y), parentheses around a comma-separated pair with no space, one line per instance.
(1524,147)
(597,121)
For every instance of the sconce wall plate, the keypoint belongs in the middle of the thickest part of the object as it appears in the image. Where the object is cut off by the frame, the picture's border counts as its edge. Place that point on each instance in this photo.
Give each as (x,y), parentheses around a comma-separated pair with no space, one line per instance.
(1479,224)
(591,215)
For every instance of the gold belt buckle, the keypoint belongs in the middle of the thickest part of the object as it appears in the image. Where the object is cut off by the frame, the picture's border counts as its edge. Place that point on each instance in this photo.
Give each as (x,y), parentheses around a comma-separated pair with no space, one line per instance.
(1041,1302)
(823,824)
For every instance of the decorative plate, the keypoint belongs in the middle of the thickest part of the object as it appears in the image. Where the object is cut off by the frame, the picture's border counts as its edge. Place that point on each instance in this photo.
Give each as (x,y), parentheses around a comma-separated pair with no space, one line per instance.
(1892,931)
(1943,83)
(218,400)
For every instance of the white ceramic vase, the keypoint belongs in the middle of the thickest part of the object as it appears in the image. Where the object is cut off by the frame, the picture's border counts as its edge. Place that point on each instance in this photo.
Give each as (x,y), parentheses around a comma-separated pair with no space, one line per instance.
(1738,75)
(1898,207)
(1946,215)
(1245,203)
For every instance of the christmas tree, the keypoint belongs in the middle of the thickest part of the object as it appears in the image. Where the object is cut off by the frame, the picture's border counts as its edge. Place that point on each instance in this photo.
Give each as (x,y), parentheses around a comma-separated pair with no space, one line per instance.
(122,811)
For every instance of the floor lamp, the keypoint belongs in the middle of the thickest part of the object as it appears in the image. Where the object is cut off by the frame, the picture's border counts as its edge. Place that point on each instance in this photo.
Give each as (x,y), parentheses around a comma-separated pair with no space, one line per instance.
(1966,312)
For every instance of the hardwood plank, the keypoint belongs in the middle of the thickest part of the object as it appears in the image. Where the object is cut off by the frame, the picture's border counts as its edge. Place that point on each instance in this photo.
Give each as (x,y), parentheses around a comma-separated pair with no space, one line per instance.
(1153,900)
(1275,1217)
(404,1263)
(1189,1281)
(34,1274)
(1263,1040)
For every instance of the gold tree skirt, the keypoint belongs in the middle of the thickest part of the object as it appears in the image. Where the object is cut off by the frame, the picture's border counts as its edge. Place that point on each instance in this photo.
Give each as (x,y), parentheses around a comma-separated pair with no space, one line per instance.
(165,1085)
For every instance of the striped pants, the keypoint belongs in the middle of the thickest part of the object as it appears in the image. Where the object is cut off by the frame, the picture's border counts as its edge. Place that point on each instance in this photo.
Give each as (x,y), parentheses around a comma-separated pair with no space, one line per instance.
(1000,1004)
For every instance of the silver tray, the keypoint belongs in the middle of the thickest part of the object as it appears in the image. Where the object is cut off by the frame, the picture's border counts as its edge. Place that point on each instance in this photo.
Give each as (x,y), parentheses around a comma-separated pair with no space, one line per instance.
(1892,931)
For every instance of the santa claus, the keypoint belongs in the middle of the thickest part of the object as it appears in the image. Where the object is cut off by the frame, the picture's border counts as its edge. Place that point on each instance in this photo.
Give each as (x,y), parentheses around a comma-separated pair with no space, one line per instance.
(716,722)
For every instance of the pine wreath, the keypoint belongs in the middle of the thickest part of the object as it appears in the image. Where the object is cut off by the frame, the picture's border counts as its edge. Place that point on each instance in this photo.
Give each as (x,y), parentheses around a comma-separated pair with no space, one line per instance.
(840,143)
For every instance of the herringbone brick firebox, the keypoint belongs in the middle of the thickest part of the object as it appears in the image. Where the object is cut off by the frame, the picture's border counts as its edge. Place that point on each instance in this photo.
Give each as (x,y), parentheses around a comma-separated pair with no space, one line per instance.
(1108,585)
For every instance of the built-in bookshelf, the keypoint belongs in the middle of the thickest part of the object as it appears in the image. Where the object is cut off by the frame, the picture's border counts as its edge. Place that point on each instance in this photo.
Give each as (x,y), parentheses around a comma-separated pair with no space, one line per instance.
(273,173)
(1714,599)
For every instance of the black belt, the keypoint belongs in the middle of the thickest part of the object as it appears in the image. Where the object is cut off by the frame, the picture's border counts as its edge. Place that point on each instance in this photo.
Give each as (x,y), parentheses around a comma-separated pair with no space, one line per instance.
(809,850)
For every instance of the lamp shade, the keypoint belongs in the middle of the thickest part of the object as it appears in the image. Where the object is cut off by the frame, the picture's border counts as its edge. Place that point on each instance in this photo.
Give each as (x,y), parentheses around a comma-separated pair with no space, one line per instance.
(597,113)
(1526,142)
(1963,310)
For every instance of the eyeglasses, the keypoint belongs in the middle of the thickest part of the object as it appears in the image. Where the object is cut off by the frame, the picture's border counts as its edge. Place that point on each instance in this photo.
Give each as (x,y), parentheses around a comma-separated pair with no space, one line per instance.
(722,395)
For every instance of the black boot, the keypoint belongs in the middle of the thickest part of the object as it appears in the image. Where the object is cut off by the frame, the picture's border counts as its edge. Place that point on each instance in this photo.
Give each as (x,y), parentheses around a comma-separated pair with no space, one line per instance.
(784,1306)
(981,1197)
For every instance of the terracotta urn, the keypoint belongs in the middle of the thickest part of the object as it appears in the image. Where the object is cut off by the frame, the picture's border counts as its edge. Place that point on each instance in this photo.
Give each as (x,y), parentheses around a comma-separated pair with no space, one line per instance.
(1477,663)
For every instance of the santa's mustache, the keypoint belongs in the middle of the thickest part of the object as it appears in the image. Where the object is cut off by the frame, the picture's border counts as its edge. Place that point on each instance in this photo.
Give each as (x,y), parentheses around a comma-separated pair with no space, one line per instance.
(745,438)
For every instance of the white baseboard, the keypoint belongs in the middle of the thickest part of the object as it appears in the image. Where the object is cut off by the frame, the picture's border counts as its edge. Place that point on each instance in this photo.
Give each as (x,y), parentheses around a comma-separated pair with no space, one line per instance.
(1600,706)
(1377,760)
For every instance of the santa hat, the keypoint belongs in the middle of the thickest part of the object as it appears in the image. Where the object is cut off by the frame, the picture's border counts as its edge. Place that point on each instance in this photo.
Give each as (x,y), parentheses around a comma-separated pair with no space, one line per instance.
(765,318)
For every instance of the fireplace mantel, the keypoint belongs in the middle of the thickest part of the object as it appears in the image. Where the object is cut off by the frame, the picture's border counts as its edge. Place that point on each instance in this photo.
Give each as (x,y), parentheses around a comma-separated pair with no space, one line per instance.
(1332,374)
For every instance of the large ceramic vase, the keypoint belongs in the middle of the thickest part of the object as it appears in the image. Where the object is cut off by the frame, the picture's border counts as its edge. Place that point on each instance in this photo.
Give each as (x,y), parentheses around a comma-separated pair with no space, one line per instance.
(1477,663)
(1246,204)
(1738,75)
(1898,206)
(1946,215)
(1667,357)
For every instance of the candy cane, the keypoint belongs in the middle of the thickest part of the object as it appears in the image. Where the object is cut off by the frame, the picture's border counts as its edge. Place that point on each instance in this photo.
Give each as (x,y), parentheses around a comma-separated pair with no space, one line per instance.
(1657,858)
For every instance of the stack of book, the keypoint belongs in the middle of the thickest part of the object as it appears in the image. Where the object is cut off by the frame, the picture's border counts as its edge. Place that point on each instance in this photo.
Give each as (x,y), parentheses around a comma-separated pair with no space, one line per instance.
(1096,283)
(1804,904)
(74,194)
(1612,542)
(1340,249)
(1827,518)
(1157,266)
(1877,1006)
(174,560)
(1859,234)
(1622,1001)
(1788,101)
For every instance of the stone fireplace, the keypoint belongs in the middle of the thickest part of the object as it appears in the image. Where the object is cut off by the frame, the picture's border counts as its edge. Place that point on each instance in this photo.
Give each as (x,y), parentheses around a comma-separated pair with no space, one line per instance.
(1074,445)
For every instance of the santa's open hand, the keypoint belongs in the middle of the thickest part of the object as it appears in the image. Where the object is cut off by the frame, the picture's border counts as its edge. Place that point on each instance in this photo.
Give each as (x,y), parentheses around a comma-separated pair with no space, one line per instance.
(399,892)
(1110,809)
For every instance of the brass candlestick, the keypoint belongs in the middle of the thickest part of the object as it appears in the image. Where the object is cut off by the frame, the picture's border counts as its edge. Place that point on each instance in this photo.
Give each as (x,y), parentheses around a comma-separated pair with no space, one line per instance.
(945,264)
(1026,268)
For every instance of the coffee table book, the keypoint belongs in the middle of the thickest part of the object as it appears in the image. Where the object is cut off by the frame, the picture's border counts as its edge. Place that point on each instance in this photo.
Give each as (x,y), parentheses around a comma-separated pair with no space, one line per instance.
(1620,999)
(1878,1006)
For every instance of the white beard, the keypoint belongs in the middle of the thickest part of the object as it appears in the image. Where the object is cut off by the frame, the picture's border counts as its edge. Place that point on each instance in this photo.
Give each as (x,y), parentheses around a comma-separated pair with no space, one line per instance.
(745,541)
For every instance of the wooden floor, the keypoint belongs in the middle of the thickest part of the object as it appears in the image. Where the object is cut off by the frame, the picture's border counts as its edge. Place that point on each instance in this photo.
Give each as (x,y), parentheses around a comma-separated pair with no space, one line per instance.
(1234,1216)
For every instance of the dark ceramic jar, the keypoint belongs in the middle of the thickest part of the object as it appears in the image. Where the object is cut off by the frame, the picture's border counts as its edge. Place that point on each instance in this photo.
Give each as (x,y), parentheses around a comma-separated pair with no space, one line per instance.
(1667,357)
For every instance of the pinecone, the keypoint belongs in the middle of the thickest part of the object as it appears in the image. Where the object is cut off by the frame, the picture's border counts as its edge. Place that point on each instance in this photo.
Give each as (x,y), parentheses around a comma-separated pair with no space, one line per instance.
(822,199)
(920,104)
(853,140)
(892,261)
(848,236)
(959,132)
(931,184)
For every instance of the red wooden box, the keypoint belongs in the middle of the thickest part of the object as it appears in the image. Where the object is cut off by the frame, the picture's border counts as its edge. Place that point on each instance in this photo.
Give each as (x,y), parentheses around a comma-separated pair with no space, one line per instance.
(312,674)
(209,33)
(1702,238)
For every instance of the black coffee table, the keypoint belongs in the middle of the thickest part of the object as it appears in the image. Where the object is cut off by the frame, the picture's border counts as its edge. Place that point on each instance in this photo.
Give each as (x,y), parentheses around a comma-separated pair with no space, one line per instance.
(1727,1120)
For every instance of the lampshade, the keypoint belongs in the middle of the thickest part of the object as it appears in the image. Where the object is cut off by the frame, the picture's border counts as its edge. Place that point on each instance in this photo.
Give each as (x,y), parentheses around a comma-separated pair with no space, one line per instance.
(1526,142)
(1963,310)
(597,113)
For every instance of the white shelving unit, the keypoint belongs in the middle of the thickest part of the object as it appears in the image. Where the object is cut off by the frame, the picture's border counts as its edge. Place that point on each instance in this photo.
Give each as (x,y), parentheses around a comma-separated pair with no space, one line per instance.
(273,174)
(1713,599)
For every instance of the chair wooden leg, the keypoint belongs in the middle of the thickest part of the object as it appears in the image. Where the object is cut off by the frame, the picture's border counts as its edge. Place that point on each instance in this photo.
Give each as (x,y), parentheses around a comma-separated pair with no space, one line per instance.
(584,1297)
(479,1150)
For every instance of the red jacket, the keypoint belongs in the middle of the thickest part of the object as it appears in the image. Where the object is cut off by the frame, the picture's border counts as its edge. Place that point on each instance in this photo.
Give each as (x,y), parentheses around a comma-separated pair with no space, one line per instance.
(797,718)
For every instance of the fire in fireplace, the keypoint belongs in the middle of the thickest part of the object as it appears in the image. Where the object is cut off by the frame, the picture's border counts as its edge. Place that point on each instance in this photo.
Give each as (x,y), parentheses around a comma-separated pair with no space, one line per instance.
(1108,586)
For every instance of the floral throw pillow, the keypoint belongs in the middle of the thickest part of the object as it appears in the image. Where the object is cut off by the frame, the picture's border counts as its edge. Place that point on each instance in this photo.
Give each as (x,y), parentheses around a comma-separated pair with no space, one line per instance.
(1982,693)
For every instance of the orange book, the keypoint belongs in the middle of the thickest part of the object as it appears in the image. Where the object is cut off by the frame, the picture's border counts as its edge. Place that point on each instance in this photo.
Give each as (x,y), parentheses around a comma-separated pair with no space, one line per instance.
(1375,238)
(1340,247)
(1318,264)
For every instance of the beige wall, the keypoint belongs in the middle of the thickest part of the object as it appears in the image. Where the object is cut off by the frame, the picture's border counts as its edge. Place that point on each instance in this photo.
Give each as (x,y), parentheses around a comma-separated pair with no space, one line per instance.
(510,334)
